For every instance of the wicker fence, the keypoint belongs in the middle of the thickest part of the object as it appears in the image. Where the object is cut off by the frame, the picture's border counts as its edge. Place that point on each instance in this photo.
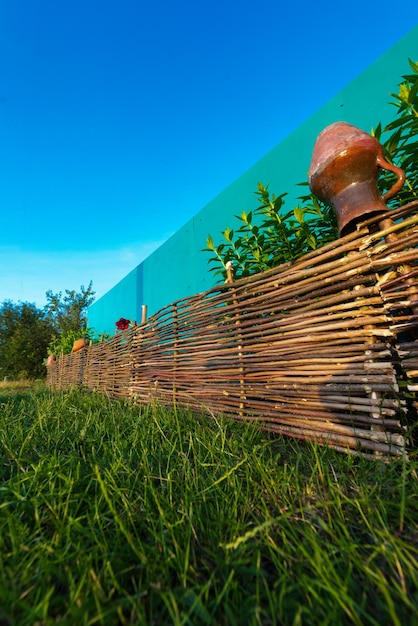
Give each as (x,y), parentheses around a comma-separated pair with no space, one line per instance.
(323,348)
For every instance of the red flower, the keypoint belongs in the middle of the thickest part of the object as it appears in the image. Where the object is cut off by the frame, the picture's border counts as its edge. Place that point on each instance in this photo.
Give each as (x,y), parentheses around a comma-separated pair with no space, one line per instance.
(122,324)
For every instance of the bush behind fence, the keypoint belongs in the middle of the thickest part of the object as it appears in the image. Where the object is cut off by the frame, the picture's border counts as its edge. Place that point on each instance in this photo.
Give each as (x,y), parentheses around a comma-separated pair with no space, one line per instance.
(323,348)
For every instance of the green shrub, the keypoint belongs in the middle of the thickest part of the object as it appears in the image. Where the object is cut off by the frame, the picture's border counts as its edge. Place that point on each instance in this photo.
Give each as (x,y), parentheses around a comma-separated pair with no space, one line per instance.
(267,237)
(401,146)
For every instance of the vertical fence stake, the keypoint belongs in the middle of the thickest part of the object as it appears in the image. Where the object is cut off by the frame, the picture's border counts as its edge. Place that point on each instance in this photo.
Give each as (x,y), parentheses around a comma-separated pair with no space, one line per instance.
(230,280)
(144,314)
(137,338)
(175,349)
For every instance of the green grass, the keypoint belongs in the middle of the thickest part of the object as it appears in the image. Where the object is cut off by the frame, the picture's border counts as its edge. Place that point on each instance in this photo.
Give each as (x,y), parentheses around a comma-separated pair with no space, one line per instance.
(116,514)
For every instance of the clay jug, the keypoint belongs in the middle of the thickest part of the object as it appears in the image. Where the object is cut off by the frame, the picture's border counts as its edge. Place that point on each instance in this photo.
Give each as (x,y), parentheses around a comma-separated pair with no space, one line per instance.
(79,344)
(344,171)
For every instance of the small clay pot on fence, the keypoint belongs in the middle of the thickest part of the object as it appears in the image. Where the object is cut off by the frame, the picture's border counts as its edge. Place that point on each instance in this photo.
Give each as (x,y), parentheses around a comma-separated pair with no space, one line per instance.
(79,344)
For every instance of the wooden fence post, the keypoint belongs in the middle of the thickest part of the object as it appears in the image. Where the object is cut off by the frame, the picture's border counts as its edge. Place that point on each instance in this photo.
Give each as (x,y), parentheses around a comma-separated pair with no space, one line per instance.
(242,395)
(136,349)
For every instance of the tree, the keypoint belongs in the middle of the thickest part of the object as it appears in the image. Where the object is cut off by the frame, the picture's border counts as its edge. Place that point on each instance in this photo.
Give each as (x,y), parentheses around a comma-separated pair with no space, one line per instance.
(25,333)
(69,312)
(28,334)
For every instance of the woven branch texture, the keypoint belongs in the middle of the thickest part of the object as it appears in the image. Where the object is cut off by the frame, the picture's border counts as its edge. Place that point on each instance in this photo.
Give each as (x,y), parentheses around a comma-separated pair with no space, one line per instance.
(325,348)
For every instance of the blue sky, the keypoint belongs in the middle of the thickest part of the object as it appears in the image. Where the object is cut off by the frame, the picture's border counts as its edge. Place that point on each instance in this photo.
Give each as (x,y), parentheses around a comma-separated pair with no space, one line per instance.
(120,120)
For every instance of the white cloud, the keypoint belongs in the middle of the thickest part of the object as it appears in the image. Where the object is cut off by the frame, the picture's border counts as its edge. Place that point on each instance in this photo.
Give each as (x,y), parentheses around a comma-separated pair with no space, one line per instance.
(27,275)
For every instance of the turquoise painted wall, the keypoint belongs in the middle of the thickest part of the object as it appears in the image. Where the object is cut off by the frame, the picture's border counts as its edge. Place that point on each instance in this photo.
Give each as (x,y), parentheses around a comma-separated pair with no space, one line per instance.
(123,300)
(178,268)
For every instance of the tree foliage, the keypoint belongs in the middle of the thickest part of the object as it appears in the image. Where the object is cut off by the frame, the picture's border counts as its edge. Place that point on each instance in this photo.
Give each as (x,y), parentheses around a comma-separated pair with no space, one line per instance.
(69,312)
(28,334)
(267,236)
(69,315)
(25,333)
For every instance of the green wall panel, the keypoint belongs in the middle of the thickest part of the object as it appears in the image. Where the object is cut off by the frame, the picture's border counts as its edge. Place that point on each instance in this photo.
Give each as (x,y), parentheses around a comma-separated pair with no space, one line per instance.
(123,300)
(178,268)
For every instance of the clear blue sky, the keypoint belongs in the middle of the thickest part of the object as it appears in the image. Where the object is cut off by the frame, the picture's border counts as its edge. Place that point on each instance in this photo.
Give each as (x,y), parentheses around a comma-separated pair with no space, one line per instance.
(119,120)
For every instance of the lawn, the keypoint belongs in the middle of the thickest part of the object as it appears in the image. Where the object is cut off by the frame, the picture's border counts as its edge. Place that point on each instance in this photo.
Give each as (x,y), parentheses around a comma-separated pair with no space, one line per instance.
(112,513)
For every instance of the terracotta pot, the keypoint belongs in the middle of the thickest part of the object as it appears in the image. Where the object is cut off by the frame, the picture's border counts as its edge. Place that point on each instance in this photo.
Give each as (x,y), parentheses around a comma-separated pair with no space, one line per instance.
(79,344)
(50,360)
(344,172)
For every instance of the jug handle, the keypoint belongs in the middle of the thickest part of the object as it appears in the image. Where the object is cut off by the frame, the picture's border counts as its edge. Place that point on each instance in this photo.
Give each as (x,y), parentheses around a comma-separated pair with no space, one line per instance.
(381,162)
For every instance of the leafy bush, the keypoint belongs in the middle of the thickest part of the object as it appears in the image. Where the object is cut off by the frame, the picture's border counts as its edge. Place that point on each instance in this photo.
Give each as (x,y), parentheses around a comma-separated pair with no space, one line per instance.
(63,344)
(272,238)
(401,146)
